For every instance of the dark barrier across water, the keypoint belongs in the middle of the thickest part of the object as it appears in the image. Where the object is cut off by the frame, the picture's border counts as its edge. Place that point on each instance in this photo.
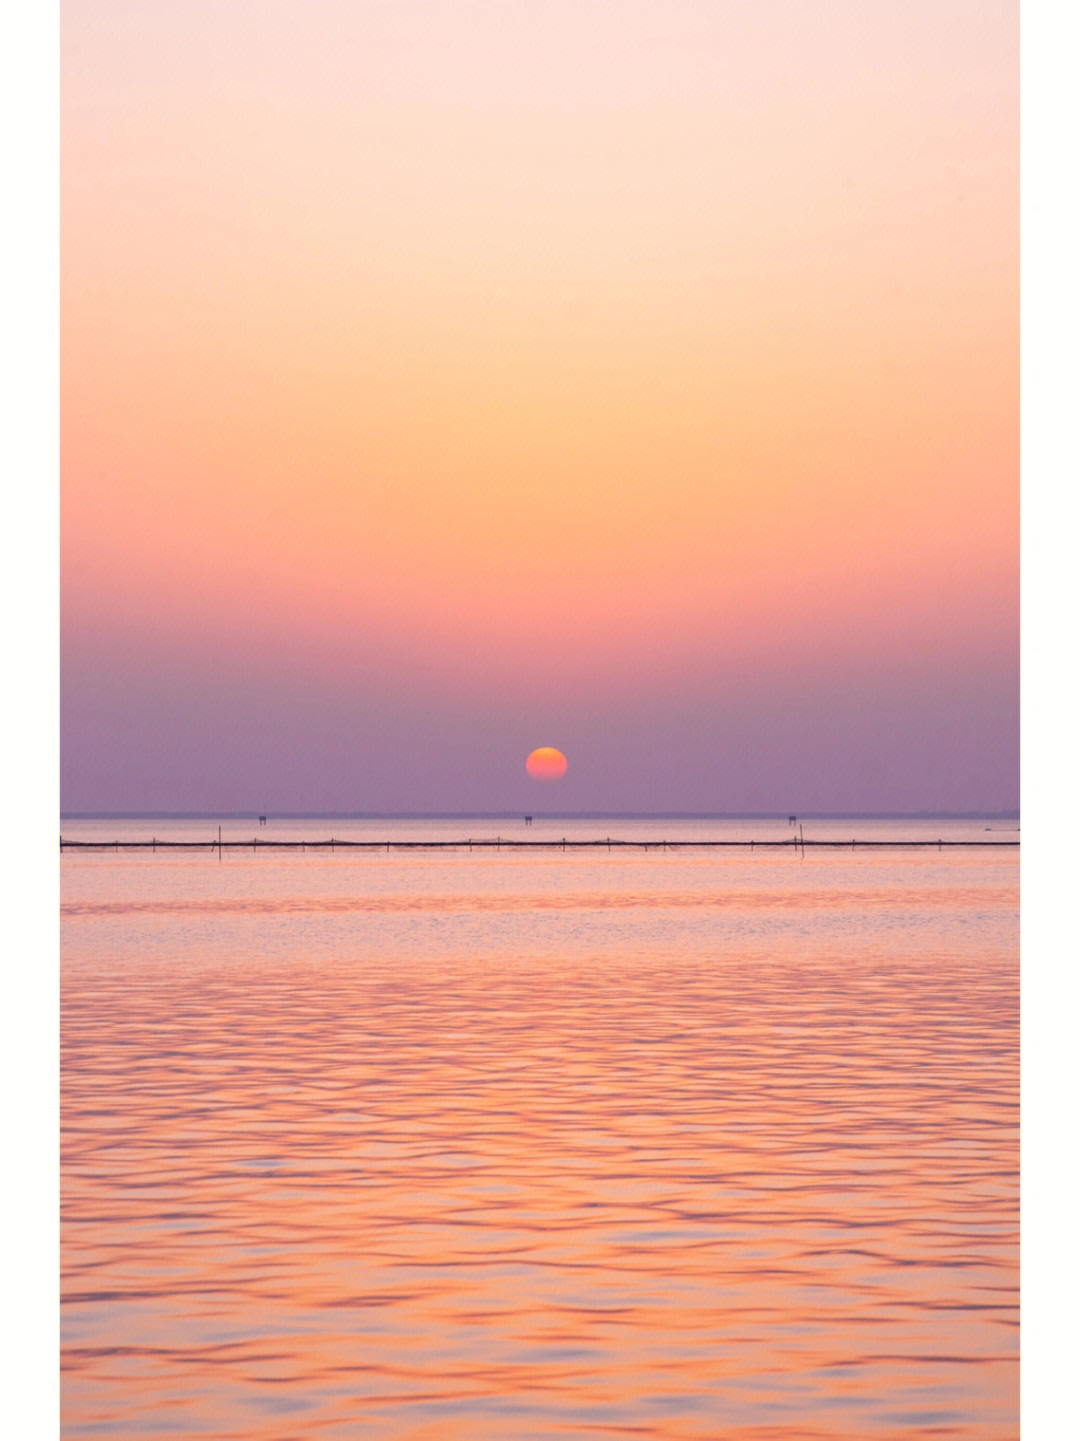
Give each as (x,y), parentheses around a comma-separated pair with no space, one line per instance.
(498,842)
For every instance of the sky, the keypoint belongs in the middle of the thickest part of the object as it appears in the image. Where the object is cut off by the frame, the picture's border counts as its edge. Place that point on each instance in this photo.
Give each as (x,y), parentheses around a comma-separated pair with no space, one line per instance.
(440,381)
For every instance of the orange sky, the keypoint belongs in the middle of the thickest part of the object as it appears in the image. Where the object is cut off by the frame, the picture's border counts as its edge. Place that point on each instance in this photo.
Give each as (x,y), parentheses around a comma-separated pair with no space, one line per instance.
(491,342)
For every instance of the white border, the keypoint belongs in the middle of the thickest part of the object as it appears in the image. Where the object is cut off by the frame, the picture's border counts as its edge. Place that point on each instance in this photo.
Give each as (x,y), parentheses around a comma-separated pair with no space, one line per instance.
(1050,643)
(29,715)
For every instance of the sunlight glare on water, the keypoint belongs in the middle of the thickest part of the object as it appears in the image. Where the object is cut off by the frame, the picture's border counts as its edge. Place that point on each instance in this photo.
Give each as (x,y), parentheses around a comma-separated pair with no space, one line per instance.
(517,1145)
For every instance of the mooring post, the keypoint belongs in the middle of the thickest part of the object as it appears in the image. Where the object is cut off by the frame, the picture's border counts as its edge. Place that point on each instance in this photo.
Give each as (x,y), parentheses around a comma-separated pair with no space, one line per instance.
(219,843)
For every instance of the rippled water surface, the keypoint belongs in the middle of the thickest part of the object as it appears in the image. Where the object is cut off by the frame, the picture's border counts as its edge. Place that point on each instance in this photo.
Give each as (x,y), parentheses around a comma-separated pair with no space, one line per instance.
(530,1144)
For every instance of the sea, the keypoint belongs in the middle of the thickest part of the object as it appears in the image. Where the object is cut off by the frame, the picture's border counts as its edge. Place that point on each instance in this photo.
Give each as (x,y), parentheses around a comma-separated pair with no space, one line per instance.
(430,1138)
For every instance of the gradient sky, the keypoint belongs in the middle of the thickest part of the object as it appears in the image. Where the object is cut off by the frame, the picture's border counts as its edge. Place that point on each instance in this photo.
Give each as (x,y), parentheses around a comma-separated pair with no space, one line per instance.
(442,380)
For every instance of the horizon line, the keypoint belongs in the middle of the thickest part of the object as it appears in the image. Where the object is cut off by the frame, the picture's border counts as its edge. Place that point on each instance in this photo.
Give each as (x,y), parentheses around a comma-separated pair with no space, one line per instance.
(1008,814)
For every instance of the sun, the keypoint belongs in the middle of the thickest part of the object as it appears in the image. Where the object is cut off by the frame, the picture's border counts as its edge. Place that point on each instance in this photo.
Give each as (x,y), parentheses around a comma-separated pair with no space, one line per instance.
(546,764)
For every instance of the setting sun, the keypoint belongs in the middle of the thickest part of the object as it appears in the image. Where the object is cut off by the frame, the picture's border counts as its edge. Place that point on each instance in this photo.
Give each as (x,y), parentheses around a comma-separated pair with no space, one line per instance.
(546,764)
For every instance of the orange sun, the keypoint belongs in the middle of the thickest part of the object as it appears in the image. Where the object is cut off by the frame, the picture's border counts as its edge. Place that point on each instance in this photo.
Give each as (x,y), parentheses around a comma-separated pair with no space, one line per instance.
(546,764)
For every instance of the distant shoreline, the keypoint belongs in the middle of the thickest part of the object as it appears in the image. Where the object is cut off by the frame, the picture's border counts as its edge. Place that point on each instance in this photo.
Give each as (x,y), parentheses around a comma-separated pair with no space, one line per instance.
(1013,816)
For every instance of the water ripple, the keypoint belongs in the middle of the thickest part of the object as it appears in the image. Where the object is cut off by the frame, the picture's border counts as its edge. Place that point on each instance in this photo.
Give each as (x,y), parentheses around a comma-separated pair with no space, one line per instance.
(678,1191)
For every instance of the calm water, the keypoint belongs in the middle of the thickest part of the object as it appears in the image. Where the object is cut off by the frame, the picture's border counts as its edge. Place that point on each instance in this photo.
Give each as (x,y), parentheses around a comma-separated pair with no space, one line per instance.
(635,1144)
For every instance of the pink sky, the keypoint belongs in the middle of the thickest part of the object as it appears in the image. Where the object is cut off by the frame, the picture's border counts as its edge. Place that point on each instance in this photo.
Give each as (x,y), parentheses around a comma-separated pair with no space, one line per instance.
(442,381)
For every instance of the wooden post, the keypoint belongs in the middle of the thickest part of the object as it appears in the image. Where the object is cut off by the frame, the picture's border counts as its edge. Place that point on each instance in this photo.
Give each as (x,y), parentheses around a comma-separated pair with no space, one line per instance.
(219,843)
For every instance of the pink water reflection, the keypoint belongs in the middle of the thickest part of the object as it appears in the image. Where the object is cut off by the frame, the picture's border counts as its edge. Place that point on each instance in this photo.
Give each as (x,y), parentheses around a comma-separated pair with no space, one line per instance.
(716,1184)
